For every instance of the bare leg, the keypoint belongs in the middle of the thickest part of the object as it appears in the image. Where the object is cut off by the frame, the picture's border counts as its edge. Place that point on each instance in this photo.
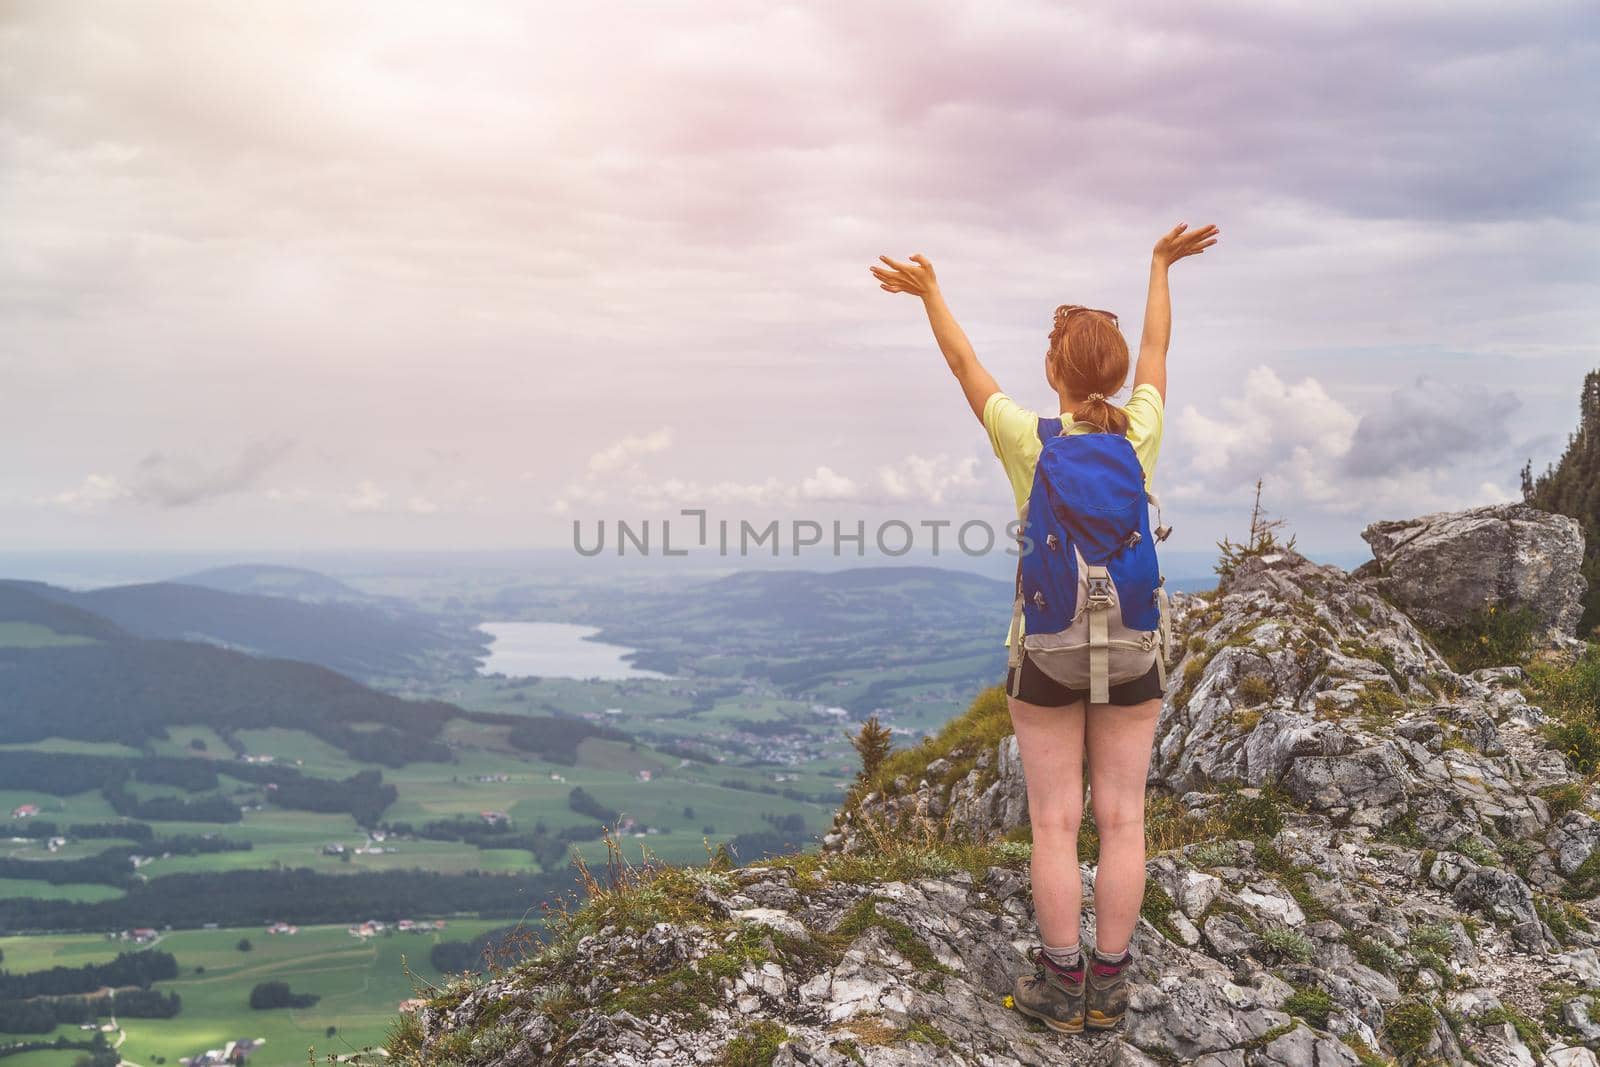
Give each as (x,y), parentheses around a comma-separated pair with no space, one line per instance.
(1119,741)
(1051,743)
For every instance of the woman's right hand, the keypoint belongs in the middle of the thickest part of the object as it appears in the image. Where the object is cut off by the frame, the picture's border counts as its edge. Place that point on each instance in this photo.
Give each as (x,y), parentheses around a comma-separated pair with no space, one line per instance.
(914,277)
(1175,244)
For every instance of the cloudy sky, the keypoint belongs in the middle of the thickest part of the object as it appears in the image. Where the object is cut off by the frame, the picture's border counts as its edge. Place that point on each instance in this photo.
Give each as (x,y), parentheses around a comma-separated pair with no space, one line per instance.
(299,275)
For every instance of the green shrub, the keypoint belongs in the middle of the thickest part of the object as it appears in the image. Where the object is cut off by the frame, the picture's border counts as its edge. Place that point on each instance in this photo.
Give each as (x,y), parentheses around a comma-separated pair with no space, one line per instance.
(1572,695)
(1191,678)
(1375,954)
(1156,909)
(1409,1026)
(1313,1005)
(1582,883)
(1577,737)
(1377,706)
(756,1047)
(922,1030)
(1215,854)
(1013,853)
(1363,1051)
(1290,944)
(1434,937)
(1526,1028)
(1561,799)
(1574,686)
(1253,816)
(1255,689)
(1491,637)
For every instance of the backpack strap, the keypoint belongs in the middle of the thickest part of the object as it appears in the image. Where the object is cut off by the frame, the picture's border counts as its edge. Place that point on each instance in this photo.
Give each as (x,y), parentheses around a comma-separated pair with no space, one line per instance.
(1161,531)
(1164,635)
(1047,428)
(1014,638)
(1098,603)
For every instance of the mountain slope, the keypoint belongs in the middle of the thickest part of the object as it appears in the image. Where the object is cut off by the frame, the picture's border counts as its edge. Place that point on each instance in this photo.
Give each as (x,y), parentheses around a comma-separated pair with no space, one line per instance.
(36,604)
(130,691)
(121,687)
(354,639)
(860,638)
(1358,854)
(265,579)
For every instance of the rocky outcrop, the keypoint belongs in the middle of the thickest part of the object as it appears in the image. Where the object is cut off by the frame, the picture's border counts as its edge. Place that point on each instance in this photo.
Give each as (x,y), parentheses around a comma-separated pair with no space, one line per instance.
(1355,858)
(1445,568)
(1300,678)
(988,801)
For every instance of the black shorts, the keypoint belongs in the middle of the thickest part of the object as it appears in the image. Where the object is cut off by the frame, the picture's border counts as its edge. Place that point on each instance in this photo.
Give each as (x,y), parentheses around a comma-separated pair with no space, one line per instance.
(1041,689)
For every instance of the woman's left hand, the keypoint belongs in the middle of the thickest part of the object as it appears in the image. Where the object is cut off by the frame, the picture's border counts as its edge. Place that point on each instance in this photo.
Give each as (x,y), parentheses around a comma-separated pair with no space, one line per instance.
(914,277)
(1175,244)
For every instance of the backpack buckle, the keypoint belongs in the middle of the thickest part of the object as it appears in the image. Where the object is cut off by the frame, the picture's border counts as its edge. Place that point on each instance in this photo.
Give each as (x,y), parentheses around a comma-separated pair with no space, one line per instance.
(1134,538)
(1100,591)
(1163,532)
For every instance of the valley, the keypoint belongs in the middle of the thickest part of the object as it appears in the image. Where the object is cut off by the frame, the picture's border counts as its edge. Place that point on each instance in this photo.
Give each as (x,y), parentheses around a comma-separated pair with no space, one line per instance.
(194,761)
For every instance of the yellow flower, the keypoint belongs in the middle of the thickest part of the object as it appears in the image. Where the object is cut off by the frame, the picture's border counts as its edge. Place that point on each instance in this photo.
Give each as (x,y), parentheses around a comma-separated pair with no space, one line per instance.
(1008,1002)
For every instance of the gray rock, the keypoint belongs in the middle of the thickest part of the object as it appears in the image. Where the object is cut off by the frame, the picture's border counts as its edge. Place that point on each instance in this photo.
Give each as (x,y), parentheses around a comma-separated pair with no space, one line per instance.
(1187,1016)
(1582,964)
(1369,785)
(1575,1013)
(1445,567)
(1227,936)
(1305,1047)
(1571,841)
(1508,900)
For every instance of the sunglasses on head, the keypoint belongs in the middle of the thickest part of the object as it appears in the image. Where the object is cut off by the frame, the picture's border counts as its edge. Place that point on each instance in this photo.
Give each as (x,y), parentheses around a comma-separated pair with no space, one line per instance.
(1066,311)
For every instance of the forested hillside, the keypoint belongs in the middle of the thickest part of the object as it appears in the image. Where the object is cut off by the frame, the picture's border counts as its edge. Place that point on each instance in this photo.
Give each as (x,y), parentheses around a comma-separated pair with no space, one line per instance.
(363,640)
(1572,487)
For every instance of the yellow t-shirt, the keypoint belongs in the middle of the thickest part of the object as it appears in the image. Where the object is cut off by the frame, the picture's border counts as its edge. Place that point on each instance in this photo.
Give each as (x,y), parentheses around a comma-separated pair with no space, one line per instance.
(1014,433)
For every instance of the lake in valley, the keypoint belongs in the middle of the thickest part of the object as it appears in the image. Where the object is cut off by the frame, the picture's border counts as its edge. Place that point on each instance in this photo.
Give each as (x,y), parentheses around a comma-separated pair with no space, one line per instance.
(555,650)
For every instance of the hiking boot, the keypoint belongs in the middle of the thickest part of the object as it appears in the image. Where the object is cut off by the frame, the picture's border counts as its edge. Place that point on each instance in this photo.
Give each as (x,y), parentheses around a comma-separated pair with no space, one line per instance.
(1107,1000)
(1051,994)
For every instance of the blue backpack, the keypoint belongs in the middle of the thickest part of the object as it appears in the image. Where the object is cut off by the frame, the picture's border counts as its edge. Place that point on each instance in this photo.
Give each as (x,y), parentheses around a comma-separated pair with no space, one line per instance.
(1089,586)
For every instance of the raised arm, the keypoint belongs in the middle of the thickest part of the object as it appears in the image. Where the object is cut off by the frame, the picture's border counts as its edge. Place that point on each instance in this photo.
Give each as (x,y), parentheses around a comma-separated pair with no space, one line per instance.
(1157,336)
(918,277)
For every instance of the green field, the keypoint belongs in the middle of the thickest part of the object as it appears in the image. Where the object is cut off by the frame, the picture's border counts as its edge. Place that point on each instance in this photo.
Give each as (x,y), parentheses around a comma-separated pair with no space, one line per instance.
(680,799)
(15,634)
(18,887)
(759,707)
(361,984)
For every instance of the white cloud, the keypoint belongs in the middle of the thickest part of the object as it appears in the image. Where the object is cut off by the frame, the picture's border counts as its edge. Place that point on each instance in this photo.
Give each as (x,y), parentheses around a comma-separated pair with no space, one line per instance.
(366,499)
(625,454)
(825,484)
(92,492)
(929,479)
(1266,424)
(1411,453)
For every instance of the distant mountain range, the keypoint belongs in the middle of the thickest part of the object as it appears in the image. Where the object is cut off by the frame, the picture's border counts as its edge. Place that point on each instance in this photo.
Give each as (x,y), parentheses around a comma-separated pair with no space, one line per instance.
(346,631)
(124,673)
(297,583)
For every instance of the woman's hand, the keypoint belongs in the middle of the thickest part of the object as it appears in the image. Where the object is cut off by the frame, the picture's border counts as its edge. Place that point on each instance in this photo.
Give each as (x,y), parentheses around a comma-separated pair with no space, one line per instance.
(914,277)
(1175,244)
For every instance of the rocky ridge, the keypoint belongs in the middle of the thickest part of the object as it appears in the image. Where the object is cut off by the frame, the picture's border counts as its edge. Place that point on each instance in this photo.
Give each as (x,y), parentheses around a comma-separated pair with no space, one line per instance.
(1358,855)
